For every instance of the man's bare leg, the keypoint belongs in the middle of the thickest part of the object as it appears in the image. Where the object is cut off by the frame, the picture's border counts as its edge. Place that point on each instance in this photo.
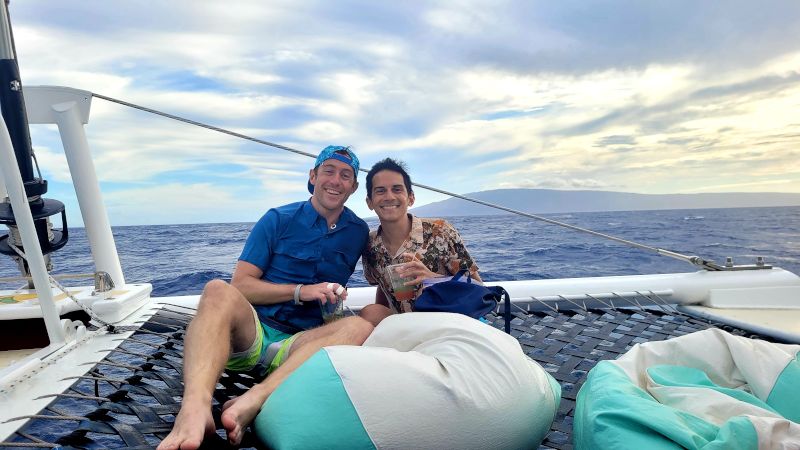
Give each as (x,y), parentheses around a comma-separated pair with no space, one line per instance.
(223,312)
(374,313)
(238,413)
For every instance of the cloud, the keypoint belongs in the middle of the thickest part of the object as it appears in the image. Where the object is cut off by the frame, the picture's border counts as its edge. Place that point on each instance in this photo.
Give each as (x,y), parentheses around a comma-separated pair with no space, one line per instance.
(179,203)
(607,141)
(473,95)
(559,183)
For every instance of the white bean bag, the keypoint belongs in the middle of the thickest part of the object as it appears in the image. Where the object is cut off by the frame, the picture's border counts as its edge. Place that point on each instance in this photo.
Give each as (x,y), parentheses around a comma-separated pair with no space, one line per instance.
(706,390)
(422,380)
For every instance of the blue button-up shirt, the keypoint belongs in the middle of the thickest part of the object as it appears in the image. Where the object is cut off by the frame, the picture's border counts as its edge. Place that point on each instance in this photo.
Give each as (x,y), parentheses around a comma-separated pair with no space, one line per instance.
(293,244)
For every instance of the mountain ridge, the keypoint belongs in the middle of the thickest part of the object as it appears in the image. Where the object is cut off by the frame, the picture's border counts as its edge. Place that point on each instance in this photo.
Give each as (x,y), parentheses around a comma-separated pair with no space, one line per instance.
(561,201)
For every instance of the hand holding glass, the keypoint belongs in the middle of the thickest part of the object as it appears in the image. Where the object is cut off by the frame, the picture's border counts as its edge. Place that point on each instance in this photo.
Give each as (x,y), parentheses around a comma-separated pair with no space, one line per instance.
(401,291)
(332,310)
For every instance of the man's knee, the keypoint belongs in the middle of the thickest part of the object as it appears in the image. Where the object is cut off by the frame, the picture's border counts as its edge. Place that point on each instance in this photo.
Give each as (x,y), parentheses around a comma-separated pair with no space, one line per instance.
(219,296)
(358,329)
(375,313)
(216,287)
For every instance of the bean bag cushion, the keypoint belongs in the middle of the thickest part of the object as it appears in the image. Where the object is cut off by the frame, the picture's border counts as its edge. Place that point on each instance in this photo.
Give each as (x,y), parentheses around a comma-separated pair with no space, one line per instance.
(421,380)
(706,390)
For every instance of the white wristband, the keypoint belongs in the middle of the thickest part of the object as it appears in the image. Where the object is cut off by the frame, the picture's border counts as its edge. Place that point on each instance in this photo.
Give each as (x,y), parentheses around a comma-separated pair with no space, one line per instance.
(297,294)
(338,291)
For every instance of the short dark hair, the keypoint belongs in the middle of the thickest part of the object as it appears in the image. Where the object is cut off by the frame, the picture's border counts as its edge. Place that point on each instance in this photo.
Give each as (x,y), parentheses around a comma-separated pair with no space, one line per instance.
(394,166)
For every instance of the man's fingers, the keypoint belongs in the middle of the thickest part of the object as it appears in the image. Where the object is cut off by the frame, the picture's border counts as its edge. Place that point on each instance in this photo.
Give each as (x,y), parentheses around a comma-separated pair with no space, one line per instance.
(320,293)
(415,281)
(330,291)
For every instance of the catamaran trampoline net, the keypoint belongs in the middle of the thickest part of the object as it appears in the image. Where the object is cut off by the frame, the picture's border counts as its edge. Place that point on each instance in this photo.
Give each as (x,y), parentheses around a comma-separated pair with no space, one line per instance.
(130,399)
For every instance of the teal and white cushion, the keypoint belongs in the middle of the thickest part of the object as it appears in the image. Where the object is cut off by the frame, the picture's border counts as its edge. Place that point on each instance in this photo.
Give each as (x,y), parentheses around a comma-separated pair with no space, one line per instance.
(706,390)
(422,380)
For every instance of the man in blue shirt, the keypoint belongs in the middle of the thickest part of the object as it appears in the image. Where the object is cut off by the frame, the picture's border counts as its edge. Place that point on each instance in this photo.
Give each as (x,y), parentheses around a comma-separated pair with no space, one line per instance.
(296,257)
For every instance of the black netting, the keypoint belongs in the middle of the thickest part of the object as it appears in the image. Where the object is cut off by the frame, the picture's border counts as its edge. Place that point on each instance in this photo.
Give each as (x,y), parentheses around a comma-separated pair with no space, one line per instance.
(130,399)
(569,343)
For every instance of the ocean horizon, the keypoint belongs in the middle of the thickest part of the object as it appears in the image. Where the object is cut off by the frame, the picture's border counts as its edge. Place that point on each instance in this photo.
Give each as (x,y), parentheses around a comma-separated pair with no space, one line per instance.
(178,259)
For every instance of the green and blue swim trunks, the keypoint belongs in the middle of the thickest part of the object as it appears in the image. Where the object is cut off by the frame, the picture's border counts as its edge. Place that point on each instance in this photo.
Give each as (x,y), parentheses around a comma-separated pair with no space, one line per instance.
(269,350)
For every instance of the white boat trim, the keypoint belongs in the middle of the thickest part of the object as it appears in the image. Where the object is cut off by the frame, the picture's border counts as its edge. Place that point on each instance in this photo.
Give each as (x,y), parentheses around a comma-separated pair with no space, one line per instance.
(782,324)
(30,384)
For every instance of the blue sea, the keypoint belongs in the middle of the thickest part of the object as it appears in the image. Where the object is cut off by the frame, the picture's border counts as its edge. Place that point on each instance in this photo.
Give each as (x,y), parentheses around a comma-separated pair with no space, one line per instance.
(180,259)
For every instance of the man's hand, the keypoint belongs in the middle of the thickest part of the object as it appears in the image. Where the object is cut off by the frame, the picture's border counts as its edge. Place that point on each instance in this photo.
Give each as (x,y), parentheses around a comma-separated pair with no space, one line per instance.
(324,292)
(415,268)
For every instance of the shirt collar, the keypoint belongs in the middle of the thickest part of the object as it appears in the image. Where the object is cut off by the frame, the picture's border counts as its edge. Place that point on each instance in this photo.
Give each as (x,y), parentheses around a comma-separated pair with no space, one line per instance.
(416,230)
(414,237)
(310,216)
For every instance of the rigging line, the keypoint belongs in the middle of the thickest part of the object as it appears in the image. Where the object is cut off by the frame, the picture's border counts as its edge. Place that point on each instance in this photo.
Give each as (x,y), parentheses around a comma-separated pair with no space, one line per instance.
(694,260)
(204,125)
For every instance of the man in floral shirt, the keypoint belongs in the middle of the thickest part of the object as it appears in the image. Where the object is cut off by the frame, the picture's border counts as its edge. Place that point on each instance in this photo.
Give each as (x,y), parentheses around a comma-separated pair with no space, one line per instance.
(427,248)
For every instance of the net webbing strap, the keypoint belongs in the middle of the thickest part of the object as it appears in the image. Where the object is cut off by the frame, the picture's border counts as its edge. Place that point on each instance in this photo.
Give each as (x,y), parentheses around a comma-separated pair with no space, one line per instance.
(133,404)
(570,343)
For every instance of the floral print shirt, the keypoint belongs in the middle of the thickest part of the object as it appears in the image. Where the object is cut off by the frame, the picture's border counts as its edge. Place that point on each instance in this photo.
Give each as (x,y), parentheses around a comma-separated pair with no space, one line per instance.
(433,241)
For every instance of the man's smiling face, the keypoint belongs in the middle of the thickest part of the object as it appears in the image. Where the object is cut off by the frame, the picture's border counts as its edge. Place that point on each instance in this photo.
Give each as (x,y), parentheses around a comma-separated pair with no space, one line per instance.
(334,182)
(390,198)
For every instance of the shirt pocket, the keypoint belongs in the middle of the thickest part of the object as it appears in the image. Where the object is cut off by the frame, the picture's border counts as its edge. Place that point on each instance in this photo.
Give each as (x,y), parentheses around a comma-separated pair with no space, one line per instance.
(298,262)
(347,259)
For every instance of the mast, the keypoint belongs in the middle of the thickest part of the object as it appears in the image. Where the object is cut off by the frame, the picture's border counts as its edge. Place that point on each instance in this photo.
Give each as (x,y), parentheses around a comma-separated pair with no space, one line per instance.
(12,105)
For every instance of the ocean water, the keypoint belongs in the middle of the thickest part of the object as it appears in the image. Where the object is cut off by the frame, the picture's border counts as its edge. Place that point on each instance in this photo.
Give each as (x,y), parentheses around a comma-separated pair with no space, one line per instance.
(180,259)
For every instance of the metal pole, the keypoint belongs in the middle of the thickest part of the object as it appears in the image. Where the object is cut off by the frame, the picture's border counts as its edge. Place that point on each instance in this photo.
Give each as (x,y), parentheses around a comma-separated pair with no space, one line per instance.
(6,52)
(30,241)
(6,47)
(87,189)
(3,192)
(13,107)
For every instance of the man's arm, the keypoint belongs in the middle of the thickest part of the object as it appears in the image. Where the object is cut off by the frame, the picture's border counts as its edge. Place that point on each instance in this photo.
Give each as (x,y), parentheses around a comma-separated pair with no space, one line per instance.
(459,256)
(380,297)
(247,279)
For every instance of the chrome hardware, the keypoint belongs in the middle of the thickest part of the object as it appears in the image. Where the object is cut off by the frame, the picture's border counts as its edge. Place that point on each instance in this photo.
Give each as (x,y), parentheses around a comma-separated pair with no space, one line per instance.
(102,282)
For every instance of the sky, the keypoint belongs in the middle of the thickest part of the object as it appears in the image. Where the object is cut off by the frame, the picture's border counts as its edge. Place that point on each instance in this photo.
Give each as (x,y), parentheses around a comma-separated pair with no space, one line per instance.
(637,96)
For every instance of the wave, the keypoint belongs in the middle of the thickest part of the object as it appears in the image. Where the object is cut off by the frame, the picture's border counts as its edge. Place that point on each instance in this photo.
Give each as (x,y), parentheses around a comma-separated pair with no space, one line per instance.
(186,283)
(720,245)
(180,259)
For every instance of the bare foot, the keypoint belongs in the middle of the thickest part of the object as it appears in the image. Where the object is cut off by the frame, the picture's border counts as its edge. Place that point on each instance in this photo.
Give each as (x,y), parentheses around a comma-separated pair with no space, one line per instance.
(239,412)
(191,426)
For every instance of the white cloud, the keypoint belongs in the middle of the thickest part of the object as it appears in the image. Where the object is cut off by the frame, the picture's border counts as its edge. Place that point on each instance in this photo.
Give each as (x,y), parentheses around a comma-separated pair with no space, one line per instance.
(179,203)
(472,95)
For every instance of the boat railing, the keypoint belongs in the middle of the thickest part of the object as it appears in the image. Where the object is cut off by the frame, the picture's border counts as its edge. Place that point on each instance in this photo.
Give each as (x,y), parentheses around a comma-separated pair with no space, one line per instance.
(24,218)
(69,110)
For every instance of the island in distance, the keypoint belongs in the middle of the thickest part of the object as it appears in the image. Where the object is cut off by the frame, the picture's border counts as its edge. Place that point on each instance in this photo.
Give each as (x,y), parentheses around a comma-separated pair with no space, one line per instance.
(539,201)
